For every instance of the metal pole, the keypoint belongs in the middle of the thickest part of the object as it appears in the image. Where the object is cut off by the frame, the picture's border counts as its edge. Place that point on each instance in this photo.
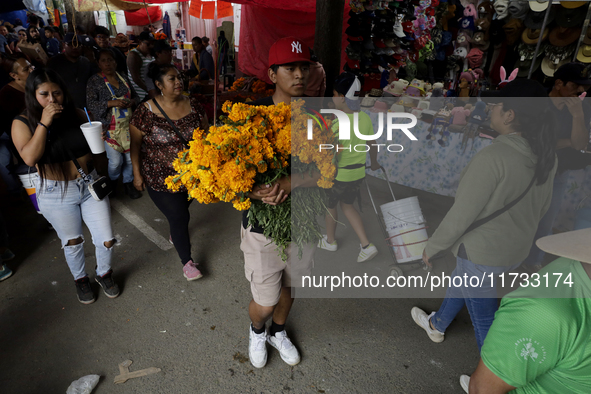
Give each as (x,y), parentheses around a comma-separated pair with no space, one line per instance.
(583,33)
(531,68)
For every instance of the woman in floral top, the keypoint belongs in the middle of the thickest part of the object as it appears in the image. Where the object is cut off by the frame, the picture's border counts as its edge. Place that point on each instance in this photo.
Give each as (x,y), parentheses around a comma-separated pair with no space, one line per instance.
(109,97)
(154,146)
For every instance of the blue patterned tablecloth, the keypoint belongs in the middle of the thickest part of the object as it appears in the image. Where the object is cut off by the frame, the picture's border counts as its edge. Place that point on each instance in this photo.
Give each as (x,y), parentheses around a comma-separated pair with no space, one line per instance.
(430,167)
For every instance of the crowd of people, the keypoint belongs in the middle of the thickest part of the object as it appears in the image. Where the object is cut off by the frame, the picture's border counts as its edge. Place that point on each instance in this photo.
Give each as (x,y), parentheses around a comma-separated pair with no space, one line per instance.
(505,194)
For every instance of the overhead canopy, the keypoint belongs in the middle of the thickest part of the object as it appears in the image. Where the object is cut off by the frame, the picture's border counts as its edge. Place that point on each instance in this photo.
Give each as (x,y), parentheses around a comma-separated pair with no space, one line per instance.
(156,1)
(204,9)
(262,25)
(293,5)
(140,17)
(105,5)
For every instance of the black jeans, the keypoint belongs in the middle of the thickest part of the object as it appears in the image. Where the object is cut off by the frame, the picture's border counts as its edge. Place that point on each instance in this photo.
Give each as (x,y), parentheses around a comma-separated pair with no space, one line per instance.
(175,206)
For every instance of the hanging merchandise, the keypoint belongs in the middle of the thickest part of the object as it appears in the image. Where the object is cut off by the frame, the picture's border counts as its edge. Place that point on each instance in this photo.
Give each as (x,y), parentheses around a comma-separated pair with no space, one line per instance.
(501,9)
(140,17)
(166,25)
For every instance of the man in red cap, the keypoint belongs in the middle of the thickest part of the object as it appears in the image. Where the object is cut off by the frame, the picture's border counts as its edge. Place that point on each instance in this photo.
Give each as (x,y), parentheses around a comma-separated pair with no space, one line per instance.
(270,277)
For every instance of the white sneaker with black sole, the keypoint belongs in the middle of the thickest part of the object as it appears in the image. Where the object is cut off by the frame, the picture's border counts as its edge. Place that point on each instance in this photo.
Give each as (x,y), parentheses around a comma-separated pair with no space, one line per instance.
(257,348)
(420,317)
(287,350)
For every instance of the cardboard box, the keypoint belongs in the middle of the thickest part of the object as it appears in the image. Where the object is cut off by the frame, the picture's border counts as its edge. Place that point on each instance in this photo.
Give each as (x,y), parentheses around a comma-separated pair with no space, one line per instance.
(34,51)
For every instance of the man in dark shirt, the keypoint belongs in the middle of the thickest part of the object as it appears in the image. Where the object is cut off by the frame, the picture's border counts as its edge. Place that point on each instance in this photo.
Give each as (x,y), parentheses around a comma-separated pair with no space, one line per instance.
(270,277)
(572,119)
(74,69)
(205,64)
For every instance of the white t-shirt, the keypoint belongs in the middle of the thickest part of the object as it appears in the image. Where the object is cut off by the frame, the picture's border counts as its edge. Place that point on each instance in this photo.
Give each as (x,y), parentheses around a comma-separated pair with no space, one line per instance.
(209,49)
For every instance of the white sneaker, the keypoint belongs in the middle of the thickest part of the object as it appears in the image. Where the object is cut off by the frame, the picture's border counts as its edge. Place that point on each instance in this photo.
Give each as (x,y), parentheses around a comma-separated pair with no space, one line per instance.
(257,349)
(465,383)
(367,254)
(323,244)
(421,318)
(288,351)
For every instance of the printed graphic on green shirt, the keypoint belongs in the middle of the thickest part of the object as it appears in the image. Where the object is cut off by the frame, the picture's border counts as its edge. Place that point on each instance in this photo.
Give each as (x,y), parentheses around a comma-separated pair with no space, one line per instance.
(540,344)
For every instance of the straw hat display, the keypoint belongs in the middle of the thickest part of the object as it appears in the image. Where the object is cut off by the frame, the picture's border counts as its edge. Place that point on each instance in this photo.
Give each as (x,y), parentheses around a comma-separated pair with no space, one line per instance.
(584,54)
(549,67)
(563,36)
(532,36)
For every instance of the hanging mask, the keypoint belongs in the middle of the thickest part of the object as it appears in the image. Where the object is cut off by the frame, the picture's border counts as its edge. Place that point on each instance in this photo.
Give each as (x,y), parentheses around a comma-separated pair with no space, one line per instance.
(501,8)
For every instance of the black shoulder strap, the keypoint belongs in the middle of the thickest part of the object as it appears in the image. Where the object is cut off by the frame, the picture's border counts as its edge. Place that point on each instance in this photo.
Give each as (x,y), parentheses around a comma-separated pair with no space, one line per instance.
(178,133)
(493,215)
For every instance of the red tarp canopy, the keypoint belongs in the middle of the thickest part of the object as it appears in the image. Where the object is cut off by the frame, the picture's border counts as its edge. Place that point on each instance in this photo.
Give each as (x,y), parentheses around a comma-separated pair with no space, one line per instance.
(156,1)
(265,21)
(205,9)
(140,17)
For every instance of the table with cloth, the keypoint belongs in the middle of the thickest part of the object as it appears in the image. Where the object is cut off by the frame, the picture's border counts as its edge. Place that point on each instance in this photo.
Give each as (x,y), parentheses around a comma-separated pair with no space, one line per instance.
(428,166)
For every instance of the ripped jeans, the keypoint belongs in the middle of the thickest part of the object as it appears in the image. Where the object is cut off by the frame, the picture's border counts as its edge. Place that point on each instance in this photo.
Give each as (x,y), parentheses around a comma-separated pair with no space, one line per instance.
(66,211)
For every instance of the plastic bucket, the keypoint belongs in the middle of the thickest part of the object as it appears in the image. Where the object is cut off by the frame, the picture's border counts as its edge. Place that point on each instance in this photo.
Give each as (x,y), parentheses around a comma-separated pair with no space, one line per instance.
(29,185)
(405,225)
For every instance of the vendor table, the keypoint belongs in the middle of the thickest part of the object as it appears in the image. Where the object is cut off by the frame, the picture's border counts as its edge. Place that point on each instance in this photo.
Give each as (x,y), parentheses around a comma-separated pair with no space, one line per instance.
(434,168)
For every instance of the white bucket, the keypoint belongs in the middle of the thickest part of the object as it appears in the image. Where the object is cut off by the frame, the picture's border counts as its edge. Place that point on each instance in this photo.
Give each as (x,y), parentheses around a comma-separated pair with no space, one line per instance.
(404,216)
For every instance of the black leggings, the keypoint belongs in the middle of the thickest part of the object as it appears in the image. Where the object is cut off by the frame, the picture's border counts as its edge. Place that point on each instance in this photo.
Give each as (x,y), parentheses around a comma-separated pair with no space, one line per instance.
(175,206)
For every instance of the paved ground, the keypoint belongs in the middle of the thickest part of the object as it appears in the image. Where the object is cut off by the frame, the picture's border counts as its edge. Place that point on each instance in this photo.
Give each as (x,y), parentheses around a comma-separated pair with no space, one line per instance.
(197,333)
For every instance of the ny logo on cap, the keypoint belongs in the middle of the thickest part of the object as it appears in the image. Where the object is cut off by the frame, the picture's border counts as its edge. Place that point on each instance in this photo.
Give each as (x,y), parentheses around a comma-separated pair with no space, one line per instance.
(296,47)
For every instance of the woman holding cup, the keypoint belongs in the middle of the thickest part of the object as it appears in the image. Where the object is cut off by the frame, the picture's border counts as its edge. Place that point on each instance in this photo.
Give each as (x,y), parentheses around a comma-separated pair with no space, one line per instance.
(109,97)
(48,136)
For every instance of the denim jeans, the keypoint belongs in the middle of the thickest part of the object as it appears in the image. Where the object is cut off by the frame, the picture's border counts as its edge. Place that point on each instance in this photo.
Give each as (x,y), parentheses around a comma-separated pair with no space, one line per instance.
(66,211)
(481,301)
(536,255)
(118,163)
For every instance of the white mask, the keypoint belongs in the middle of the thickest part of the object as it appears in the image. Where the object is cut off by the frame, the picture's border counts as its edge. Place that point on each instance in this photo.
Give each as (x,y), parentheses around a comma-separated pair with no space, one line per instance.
(501,8)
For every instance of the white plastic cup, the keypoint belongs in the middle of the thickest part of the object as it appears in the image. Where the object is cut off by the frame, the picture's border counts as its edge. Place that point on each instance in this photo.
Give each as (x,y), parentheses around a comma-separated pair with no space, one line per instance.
(94,136)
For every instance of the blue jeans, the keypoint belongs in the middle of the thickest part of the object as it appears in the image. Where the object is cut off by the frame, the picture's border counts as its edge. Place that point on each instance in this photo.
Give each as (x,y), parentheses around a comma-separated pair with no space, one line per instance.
(66,211)
(482,302)
(118,163)
(536,255)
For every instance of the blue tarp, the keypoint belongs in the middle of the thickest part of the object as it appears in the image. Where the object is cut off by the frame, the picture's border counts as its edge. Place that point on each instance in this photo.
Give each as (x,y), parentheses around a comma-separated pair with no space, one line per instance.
(12,16)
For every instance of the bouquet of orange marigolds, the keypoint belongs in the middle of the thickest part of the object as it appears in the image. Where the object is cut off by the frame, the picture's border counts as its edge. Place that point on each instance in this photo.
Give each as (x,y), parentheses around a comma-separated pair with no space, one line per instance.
(257,146)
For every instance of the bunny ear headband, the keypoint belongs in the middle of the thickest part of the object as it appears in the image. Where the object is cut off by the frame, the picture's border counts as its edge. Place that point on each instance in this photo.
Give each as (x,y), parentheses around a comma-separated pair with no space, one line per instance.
(503,75)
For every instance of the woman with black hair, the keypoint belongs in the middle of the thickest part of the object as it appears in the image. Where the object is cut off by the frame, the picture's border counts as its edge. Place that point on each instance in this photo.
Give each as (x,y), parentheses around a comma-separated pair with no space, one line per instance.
(160,129)
(110,98)
(48,137)
(504,192)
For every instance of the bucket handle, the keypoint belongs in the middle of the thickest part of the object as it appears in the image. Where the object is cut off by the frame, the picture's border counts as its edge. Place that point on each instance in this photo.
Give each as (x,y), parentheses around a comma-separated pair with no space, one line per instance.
(387,179)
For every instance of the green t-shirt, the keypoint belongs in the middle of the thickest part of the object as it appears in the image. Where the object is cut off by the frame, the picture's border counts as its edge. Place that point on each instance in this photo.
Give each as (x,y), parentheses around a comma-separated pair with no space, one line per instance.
(358,154)
(543,345)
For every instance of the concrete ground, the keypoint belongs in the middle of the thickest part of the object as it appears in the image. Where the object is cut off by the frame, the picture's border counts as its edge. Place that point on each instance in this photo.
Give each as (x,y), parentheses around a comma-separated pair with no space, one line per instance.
(197,332)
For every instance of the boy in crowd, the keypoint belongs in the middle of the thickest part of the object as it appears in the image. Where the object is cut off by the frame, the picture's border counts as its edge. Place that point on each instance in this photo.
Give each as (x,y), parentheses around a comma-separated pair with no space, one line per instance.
(270,277)
(539,340)
(52,45)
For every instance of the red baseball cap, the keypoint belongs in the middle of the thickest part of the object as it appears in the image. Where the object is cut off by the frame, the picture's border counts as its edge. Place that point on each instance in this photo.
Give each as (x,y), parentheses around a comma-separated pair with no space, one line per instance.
(288,50)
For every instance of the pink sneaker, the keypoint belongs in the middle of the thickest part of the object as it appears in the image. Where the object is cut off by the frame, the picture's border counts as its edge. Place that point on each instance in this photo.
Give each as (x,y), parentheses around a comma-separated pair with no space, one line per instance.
(191,272)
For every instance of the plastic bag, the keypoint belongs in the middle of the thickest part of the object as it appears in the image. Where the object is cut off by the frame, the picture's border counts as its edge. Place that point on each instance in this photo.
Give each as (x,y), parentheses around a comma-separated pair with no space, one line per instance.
(84,385)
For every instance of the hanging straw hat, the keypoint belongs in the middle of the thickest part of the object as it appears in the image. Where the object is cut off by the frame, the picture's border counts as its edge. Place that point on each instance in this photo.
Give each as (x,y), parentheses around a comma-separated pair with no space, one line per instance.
(532,36)
(584,55)
(563,36)
(573,245)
